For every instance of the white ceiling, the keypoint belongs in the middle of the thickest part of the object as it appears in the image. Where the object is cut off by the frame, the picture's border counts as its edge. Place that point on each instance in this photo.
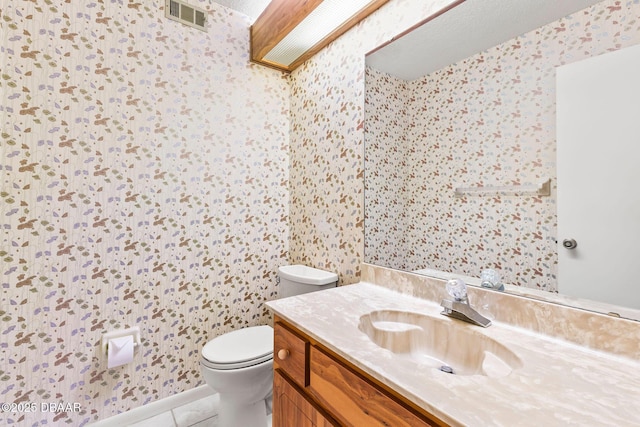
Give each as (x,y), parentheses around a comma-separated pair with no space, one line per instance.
(251,8)
(467,29)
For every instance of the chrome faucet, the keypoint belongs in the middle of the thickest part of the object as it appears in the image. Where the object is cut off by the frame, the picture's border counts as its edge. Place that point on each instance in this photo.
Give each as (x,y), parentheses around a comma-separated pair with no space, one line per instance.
(460,308)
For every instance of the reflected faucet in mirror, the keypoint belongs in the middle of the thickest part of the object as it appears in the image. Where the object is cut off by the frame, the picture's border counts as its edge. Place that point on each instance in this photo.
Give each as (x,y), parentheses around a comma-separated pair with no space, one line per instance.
(490,278)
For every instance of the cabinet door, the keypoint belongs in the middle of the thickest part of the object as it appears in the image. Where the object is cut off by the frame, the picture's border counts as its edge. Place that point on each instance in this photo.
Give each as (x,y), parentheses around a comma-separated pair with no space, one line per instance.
(353,400)
(291,409)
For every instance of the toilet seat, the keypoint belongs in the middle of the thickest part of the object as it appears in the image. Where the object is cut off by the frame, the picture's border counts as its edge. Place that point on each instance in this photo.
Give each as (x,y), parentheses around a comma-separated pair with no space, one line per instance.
(239,349)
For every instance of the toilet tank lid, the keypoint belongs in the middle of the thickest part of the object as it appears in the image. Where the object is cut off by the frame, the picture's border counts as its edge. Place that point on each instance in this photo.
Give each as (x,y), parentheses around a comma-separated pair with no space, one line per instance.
(307,275)
(240,345)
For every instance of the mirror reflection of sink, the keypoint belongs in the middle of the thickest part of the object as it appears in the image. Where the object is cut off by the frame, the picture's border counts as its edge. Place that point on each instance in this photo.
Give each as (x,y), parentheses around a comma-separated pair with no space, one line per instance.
(439,343)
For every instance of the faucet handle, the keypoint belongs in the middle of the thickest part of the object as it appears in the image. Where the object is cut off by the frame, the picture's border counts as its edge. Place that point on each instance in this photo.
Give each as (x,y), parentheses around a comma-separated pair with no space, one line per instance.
(457,289)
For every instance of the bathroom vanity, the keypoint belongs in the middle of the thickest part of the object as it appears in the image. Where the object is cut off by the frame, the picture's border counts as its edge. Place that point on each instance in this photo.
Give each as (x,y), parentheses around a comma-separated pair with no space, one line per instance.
(373,354)
(315,387)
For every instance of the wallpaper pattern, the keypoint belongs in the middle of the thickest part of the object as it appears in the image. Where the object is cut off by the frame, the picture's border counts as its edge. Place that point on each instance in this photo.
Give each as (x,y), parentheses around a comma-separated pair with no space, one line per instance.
(327,134)
(147,180)
(144,169)
(488,120)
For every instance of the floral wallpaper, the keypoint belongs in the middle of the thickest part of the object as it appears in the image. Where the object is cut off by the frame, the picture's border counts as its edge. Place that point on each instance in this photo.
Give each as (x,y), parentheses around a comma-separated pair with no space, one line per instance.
(144,169)
(386,140)
(326,137)
(488,120)
(152,176)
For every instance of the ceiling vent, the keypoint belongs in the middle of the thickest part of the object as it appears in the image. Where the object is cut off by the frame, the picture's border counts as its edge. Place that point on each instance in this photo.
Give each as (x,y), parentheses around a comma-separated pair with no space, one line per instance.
(186,14)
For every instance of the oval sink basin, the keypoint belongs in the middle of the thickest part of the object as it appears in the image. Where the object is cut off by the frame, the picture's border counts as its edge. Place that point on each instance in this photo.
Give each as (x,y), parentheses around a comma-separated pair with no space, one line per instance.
(439,343)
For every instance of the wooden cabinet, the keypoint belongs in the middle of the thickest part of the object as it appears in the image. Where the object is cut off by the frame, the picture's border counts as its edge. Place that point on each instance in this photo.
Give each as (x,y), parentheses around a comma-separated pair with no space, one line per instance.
(291,354)
(315,387)
(291,408)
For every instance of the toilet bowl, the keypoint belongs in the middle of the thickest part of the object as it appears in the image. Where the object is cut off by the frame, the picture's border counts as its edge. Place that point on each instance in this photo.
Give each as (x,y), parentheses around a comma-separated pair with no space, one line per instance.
(239,364)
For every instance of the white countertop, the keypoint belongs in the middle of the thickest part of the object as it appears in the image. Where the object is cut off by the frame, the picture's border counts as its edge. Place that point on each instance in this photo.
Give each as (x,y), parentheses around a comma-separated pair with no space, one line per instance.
(559,384)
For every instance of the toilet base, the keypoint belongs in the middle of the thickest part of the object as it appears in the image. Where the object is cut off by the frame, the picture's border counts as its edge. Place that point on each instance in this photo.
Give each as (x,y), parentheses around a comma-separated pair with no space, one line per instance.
(230,415)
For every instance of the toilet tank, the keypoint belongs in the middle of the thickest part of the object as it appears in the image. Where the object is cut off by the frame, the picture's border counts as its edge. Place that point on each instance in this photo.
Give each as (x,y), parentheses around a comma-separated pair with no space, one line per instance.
(300,279)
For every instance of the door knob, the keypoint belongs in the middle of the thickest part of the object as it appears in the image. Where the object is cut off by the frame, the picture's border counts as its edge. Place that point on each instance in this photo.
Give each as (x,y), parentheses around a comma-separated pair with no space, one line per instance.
(569,243)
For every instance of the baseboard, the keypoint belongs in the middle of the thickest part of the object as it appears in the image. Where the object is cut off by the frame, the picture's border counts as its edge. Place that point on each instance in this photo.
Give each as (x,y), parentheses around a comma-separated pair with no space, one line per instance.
(155,408)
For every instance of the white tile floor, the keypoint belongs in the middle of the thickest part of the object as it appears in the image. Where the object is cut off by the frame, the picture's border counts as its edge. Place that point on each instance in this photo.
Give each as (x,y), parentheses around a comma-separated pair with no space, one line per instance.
(200,413)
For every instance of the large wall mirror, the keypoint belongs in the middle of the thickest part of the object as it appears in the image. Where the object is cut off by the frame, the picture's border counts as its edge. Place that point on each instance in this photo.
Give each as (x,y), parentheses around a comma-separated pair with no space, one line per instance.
(460,140)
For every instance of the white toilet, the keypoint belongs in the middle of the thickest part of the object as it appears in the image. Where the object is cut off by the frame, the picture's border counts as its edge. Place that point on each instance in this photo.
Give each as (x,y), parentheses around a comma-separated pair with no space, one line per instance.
(239,364)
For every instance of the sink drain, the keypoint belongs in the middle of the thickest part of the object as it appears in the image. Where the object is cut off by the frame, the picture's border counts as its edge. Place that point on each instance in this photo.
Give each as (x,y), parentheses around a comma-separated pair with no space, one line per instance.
(446,369)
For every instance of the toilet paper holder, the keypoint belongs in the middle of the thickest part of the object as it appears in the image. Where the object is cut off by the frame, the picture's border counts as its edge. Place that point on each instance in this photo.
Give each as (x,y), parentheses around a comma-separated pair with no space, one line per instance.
(134,331)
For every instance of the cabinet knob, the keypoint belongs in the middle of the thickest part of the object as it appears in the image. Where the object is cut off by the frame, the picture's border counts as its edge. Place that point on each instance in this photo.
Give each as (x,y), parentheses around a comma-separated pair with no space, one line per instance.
(283,354)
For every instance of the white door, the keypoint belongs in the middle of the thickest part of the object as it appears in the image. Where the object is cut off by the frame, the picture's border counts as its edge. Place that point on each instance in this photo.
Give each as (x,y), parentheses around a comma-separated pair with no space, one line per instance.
(598,153)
